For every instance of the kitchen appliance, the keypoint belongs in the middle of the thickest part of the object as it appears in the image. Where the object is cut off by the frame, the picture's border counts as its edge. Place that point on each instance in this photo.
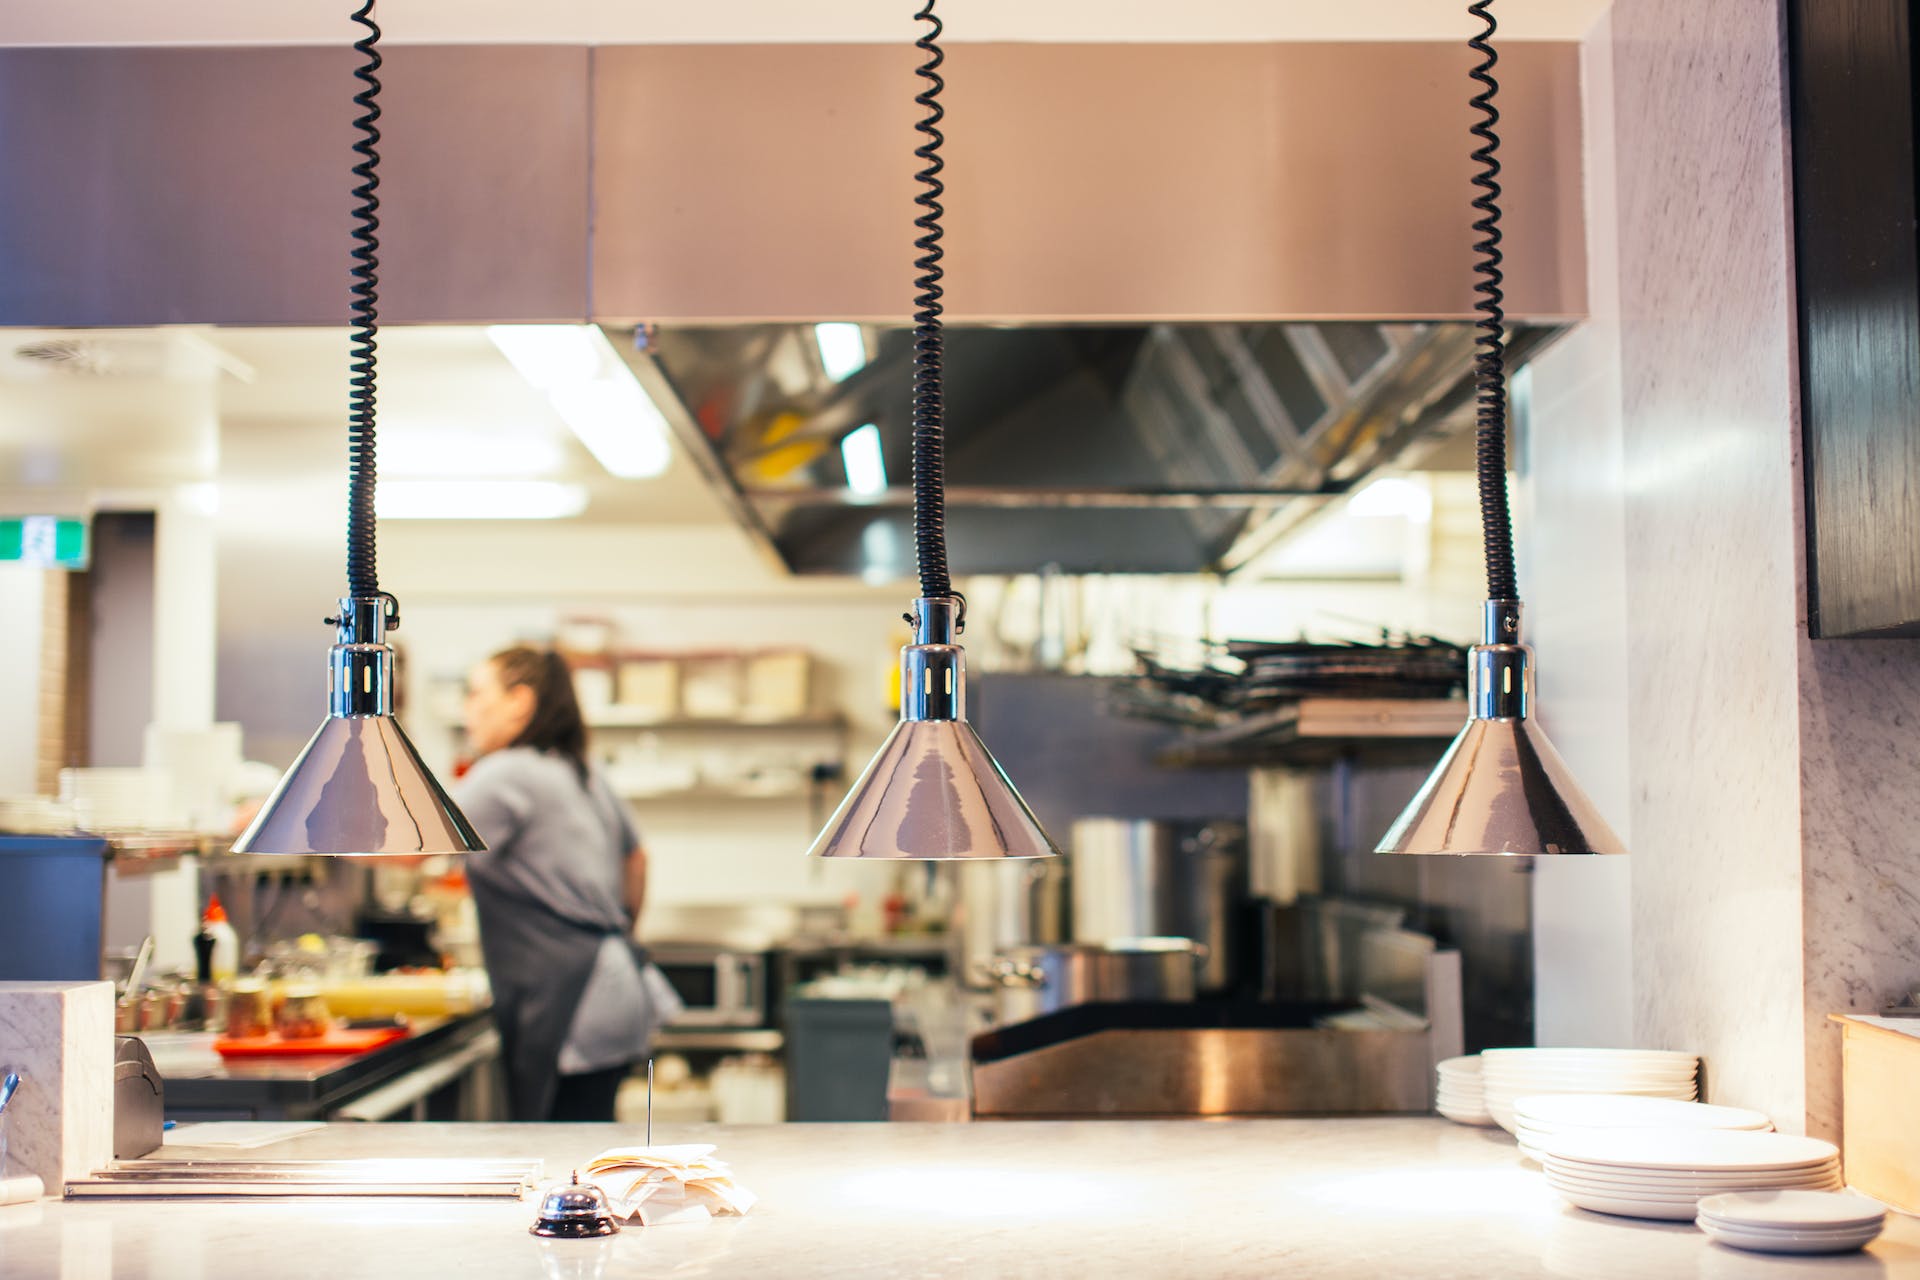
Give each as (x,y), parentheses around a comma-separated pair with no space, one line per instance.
(1135,878)
(137,1099)
(1034,980)
(1223,1057)
(1020,902)
(1109,1060)
(720,987)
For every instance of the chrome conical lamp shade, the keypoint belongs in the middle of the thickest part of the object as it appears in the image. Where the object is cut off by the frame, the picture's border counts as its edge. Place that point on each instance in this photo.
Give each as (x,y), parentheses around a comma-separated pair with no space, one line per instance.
(359,788)
(933,791)
(1501,788)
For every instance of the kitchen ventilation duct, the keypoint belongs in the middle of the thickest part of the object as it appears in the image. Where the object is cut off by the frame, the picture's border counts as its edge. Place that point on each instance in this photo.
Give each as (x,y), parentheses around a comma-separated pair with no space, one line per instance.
(1164,448)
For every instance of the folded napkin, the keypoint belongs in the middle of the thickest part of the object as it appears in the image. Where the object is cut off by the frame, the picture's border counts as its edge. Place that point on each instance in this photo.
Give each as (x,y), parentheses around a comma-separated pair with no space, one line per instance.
(660,1185)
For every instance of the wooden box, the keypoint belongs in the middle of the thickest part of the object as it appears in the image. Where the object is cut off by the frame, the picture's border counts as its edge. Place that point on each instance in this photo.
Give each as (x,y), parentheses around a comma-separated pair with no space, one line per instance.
(1880,1099)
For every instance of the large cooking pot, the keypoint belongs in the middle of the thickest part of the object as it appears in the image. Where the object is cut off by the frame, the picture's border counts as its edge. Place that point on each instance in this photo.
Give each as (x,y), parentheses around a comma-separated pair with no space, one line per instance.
(1135,878)
(1030,981)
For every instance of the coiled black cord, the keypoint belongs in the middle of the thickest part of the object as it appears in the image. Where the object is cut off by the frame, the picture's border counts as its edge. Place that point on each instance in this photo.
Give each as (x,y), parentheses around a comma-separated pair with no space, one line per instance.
(929,481)
(1490,372)
(363,579)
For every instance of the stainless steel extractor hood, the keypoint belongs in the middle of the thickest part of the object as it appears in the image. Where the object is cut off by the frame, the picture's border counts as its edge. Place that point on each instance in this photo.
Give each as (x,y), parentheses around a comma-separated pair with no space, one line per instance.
(1165,448)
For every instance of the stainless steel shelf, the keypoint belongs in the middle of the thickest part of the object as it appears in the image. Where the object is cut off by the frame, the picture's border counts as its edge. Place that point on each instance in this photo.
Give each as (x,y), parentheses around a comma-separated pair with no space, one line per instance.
(720,1039)
(612,719)
(1315,729)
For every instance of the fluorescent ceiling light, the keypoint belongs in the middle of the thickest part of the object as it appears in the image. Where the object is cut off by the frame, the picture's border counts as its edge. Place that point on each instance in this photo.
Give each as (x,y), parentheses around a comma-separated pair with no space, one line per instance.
(617,421)
(1392,496)
(843,349)
(593,391)
(478,500)
(463,453)
(860,454)
(550,355)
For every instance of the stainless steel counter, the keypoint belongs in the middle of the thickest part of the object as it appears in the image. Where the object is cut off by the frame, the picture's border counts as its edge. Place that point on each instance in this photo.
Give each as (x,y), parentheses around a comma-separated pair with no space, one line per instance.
(201,1085)
(1390,1197)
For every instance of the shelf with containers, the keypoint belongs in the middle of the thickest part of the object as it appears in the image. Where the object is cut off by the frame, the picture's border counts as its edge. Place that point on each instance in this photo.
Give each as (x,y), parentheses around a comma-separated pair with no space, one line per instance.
(702,727)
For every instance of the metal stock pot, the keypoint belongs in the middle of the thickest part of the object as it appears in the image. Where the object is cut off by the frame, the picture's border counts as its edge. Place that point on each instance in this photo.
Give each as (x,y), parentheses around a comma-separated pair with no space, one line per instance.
(1030,981)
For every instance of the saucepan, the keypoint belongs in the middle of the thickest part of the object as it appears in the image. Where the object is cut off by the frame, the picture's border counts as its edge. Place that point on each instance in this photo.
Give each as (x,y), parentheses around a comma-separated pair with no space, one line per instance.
(1034,980)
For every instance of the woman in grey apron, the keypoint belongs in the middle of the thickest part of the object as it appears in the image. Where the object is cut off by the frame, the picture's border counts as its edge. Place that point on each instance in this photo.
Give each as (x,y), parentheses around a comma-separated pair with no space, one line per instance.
(557,892)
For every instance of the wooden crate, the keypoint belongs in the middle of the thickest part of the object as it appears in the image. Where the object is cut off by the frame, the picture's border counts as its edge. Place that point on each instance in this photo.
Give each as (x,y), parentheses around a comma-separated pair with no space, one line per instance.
(1880,1098)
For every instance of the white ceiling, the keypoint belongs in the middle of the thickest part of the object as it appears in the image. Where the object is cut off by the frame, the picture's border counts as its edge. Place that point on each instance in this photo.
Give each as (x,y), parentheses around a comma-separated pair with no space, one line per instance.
(450,407)
(70,22)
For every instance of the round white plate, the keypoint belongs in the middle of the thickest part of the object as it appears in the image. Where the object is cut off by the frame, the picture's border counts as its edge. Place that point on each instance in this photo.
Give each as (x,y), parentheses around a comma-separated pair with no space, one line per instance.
(1810,1233)
(1501,1107)
(1793,1210)
(1695,1190)
(1584,1081)
(1501,1057)
(1733,1179)
(1626,1207)
(1556,1112)
(1676,1067)
(1468,1064)
(1788,1242)
(1682,1089)
(1701,1150)
(1469,1118)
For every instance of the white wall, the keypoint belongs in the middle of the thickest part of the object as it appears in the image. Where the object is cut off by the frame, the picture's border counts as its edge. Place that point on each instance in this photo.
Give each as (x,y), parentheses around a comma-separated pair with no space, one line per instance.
(469,591)
(1570,503)
(22,589)
(1772,817)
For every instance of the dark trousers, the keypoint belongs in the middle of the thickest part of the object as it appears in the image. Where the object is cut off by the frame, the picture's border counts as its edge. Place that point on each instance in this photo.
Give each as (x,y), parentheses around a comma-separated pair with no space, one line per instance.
(587,1097)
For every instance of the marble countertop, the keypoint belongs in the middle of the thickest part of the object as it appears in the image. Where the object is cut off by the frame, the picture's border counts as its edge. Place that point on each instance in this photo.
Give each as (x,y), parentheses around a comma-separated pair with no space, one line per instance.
(1376,1197)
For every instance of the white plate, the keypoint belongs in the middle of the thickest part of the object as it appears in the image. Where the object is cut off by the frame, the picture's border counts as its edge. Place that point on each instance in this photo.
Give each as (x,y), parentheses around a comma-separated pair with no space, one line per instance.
(1786,1242)
(1731,1179)
(1586,1081)
(1557,1112)
(1491,1058)
(1701,1150)
(1793,1210)
(1809,1233)
(1470,1118)
(1697,1189)
(1612,1084)
(1502,1107)
(1717,1182)
(1512,1094)
(1460,1095)
(1467,1064)
(1598,1071)
(1542,1144)
(1626,1207)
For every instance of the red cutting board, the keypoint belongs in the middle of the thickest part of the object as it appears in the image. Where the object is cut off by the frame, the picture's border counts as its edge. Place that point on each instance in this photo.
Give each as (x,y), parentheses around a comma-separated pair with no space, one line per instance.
(337,1041)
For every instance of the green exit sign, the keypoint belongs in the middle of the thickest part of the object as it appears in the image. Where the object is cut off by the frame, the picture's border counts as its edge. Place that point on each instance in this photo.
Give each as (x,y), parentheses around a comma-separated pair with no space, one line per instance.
(53,542)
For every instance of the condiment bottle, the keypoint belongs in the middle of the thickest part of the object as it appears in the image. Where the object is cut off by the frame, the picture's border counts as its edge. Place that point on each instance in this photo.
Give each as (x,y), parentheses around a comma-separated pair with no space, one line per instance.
(226,943)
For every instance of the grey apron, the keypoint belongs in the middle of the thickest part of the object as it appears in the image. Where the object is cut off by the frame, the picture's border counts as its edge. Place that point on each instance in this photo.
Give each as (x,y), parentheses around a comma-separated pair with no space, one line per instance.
(538,962)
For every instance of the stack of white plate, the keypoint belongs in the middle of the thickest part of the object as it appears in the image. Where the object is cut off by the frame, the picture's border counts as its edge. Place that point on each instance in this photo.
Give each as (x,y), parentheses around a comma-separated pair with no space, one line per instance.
(1540,1119)
(1652,1173)
(1508,1075)
(1457,1094)
(1792,1221)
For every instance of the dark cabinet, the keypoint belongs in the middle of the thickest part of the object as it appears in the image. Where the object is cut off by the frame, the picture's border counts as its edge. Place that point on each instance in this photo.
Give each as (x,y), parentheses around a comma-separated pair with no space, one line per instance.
(1852,70)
